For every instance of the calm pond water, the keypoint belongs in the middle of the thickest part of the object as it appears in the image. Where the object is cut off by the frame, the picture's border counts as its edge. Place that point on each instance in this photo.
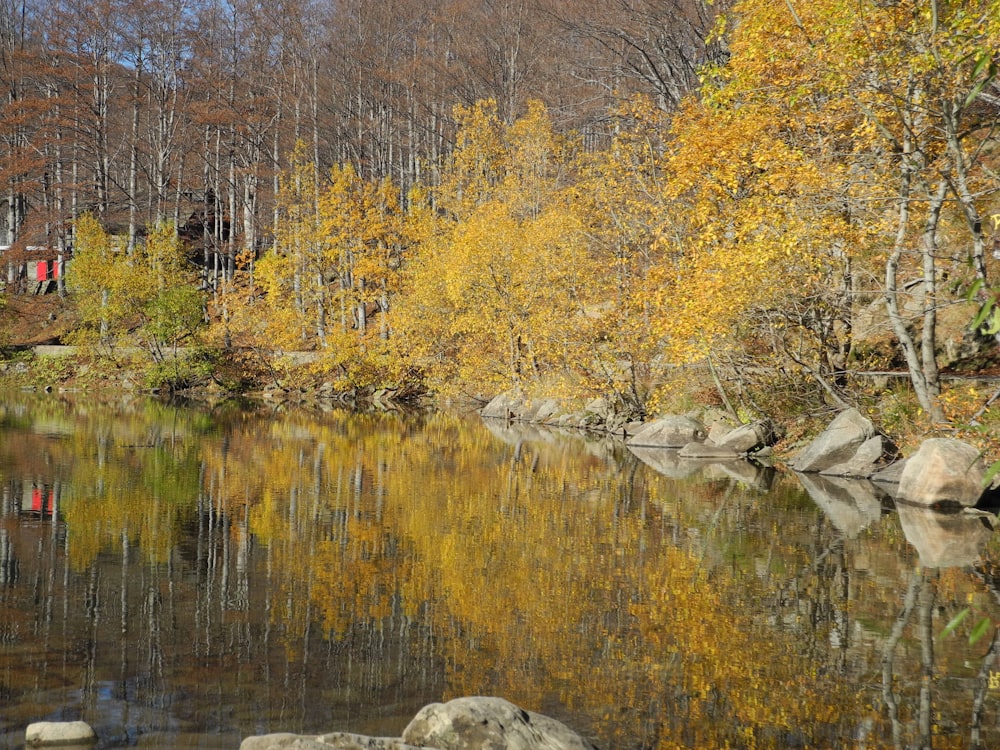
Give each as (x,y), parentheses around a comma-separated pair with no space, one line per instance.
(179,577)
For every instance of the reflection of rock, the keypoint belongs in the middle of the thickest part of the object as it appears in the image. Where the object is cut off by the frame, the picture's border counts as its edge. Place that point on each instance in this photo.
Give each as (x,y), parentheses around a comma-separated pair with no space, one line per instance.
(943,470)
(850,504)
(523,436)
(515,433)
(708,450)
(945,540)
(667,462)
(753,475)
(676,465)
(848,447)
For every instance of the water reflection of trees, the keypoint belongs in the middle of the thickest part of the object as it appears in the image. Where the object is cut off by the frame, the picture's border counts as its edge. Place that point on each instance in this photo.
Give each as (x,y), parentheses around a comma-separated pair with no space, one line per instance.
(702,608)
(926,684)
(923,702)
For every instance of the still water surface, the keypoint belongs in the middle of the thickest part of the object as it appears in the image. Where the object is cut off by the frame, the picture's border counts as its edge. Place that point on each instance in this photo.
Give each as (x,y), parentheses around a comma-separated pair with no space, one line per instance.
(179,577)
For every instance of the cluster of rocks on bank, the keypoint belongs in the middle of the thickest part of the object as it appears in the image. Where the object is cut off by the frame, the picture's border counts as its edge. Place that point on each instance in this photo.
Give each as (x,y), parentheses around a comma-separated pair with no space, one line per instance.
(942,471)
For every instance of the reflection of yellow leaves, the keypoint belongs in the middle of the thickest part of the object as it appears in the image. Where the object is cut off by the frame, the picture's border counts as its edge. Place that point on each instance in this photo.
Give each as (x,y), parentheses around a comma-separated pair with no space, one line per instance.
(459,554)
(545,571)
(131,490)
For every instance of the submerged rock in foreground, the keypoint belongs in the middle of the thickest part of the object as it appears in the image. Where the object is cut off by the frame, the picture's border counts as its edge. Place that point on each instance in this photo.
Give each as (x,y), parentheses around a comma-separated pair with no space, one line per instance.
(335,740)
(462,724)
(59,733)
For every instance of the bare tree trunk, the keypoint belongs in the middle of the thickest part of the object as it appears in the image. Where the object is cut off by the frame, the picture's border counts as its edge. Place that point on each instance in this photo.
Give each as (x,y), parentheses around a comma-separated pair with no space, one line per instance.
(928,337)
(961,186)
(362,313)
(133,167)
(921,361)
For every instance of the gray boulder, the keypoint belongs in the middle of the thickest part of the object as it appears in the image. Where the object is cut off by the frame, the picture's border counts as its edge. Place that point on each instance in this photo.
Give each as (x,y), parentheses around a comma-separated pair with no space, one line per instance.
(725,442)
(943,470)
(512,405)
(59,733)
(502,406)
(864,462)
(849,446)
(718,430)
(890,474)
(744,438)
(493,723)
(541,410)
(473,723)
(669,432)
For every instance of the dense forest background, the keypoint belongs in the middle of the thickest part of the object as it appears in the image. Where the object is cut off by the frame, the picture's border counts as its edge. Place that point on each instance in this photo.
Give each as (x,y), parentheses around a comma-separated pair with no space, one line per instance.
(136,110)
(467,197)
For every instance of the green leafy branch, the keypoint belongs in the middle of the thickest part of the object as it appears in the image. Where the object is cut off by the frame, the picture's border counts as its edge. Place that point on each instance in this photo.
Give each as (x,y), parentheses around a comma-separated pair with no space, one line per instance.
(978,631)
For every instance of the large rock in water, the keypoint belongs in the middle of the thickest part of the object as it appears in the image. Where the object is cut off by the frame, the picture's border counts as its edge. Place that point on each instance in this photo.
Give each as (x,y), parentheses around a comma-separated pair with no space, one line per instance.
(943,470)
(491,724)
(52,733)
(725,442)
(332,741)
(745,438)
(849,447)
(669,432)
(472,723)
(503,406)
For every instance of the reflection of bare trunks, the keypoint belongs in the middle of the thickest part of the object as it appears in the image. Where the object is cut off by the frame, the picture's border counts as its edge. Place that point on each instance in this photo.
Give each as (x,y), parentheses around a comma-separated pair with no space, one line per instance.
(979,697)
(926,633)
(920,595)
(8,560)
(888,656)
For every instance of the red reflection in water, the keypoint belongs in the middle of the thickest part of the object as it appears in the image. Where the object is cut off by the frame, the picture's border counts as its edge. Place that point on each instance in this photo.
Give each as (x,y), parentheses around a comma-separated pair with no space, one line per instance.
(40,503)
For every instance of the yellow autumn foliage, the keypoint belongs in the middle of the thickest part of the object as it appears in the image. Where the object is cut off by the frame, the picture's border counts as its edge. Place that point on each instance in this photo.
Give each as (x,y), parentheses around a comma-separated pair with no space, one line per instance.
(752,223)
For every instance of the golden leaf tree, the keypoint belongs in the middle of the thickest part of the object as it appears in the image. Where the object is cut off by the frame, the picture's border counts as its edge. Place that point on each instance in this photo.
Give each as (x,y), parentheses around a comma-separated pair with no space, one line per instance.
(840,140)
(497,290)
(333,268)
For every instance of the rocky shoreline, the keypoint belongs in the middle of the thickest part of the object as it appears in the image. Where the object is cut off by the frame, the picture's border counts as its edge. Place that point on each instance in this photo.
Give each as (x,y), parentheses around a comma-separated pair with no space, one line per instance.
(942,470)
